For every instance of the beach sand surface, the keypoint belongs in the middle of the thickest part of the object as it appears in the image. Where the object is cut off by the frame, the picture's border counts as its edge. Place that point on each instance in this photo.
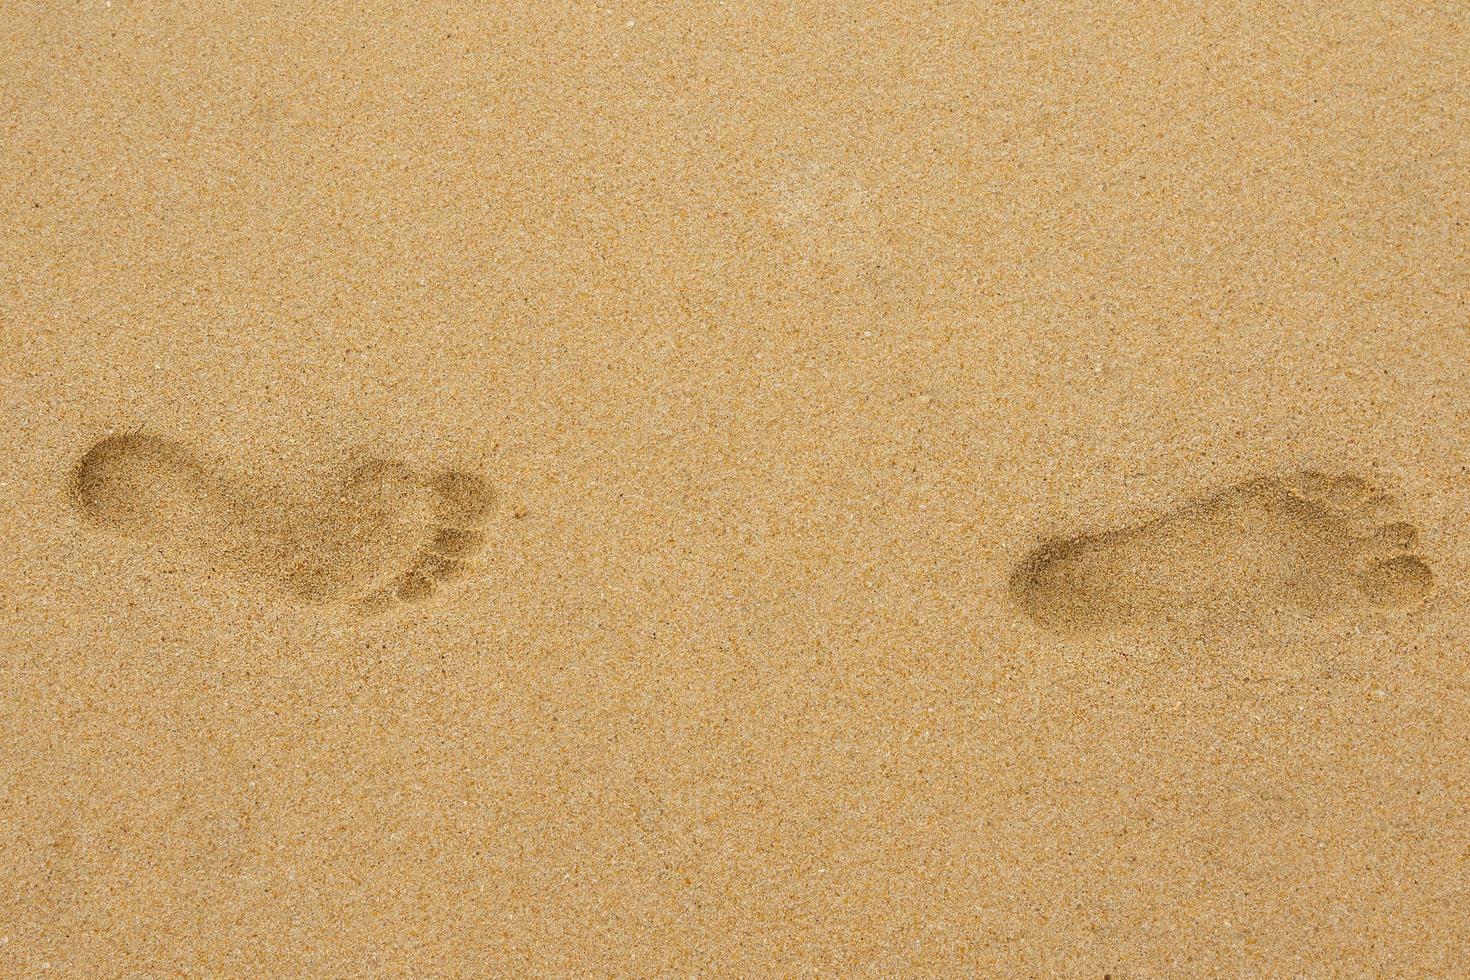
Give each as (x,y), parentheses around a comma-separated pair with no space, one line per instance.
(734,489)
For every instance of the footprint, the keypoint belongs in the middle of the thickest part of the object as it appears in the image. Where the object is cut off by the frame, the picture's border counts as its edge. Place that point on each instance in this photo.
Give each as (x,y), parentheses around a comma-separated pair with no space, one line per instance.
(382,535)
(1309,543)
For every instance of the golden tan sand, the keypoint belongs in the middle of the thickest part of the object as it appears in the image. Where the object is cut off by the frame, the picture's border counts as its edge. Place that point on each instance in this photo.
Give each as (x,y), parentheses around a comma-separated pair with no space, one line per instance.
(728,489)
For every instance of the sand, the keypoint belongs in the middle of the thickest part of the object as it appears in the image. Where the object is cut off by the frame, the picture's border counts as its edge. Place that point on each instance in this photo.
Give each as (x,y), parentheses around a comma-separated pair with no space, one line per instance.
(738,490)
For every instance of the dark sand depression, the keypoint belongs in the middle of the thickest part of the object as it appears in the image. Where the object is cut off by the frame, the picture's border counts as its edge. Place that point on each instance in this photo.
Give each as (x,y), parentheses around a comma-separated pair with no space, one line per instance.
(1309,542)
(380,535)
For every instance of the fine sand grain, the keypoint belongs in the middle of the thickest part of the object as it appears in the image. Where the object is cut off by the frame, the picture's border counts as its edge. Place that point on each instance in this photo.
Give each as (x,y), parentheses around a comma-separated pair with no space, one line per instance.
(734,489)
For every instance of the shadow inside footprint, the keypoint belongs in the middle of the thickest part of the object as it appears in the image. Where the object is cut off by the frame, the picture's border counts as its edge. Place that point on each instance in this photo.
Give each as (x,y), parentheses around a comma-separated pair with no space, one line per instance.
(384,535)
(1308,542)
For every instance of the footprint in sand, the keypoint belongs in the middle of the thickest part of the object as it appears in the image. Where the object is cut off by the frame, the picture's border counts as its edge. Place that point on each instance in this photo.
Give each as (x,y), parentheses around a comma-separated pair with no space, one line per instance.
(385,534)
(1309,543)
